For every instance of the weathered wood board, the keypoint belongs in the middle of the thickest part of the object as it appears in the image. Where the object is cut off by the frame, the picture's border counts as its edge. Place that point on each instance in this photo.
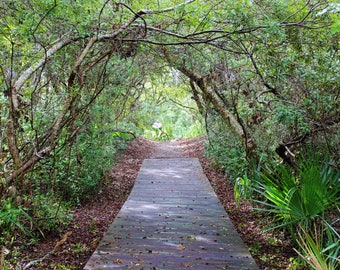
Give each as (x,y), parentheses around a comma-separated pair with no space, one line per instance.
(171,220)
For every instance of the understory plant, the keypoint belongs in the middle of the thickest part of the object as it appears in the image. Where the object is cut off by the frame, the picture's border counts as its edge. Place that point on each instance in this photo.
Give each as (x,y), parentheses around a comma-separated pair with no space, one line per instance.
(242,188)
(13,220)
(303,201)
(225,150)
(315,253)
(22,225)
(50,213)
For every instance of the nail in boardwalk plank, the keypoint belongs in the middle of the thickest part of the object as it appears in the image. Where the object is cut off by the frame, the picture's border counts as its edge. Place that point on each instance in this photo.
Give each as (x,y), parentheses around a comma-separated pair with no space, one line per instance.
(171,220)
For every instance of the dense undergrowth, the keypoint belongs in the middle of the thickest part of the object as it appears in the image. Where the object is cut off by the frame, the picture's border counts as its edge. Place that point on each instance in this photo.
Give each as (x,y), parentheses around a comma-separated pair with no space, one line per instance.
(63,181)
(302,199)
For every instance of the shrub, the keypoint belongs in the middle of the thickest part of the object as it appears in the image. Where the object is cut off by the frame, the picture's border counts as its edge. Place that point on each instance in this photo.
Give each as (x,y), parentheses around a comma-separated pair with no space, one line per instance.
(304,200)
(50,213)
(227,151)
(303,196)
(14,220)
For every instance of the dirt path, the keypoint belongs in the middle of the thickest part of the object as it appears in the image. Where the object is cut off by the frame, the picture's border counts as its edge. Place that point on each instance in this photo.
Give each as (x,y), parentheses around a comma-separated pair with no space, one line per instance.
(167,150)
(174,149)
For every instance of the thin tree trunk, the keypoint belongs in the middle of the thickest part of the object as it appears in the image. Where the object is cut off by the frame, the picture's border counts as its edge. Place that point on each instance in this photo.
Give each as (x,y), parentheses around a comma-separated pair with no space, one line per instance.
(204,83)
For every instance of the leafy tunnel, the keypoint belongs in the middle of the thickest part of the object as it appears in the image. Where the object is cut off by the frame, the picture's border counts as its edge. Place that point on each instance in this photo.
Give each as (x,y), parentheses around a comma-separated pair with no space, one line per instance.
(259,78)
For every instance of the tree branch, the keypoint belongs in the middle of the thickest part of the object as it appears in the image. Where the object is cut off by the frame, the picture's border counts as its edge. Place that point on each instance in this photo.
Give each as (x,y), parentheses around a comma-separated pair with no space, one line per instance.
(28,72)
(144,11)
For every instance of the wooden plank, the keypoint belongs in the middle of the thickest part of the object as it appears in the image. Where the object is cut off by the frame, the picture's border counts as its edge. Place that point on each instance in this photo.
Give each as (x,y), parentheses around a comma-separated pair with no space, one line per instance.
(171,220)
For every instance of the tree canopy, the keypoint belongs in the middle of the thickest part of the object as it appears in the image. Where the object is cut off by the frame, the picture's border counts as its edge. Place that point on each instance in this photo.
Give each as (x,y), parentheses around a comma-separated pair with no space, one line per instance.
(263,75)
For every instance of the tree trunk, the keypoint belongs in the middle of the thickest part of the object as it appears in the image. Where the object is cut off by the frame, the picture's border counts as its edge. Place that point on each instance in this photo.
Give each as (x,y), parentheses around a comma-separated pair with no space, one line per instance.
(206,86)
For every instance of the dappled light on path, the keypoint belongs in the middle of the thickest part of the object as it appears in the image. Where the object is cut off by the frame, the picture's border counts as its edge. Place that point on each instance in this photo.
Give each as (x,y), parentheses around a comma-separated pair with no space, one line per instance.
(171,220)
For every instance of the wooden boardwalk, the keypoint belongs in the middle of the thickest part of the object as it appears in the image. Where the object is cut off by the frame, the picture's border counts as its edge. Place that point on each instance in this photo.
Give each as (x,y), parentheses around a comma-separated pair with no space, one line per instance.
(171,220)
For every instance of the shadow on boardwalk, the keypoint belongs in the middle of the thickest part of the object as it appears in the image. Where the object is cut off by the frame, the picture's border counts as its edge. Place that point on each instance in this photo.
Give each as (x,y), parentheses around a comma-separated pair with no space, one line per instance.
(171,220)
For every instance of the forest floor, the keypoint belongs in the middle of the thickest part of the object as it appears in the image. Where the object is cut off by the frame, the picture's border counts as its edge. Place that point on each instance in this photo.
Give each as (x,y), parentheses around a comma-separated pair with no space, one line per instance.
(75,244)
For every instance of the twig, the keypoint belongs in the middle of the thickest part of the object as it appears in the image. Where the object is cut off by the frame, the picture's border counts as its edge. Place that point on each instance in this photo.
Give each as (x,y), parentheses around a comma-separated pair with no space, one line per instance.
(59,243)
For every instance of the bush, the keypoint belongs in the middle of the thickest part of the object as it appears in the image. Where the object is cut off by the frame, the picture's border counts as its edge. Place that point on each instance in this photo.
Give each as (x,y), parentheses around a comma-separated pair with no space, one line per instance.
(14,221)
(50,213)
(46,214)
(301,196)
(304,200)
(226,151)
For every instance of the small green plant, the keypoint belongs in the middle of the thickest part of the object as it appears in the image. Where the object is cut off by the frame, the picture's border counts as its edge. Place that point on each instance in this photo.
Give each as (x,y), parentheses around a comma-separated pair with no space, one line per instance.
(302,199)
(13,220)
(79,248)
(295,263)
(299,197)
(50,213)
(227,152)
(9,258)
(313,251)
(78,171)
(62,267)
(242,189)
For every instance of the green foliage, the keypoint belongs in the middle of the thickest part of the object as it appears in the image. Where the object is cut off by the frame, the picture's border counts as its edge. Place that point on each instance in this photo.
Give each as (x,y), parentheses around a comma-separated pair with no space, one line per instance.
(78,171)
(167,102)
(11,264)
(313,251)
(50,213)
(277,71)
(13,219)
(243,189)
(303,197)
(333,10)
(45,215)
(79,248)
(226,151)
(302,200)
(292,119)
(175,123)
